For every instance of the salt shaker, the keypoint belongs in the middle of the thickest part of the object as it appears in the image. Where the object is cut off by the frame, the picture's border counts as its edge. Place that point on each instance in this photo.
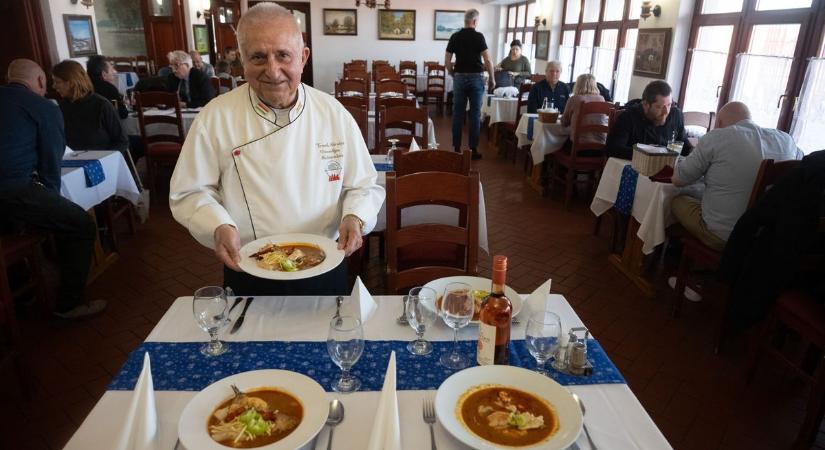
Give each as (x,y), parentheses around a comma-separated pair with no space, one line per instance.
(560,362)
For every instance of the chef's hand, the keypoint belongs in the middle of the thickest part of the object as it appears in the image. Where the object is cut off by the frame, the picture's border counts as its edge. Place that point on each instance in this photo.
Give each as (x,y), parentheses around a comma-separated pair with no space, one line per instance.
(350,239)
(228,246)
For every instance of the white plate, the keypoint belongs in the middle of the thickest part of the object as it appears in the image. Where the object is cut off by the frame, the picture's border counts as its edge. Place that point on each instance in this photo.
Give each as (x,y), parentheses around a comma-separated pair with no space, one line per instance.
(330,248)
(566,408)
(476,283)
(192,425)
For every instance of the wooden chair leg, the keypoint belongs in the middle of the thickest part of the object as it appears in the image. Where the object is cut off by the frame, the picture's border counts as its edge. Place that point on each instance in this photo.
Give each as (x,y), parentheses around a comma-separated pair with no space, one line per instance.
(568,187)
(681,282)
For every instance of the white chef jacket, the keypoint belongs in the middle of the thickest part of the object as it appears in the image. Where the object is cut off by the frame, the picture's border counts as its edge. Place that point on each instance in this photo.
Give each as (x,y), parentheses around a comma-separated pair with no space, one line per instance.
(238,167)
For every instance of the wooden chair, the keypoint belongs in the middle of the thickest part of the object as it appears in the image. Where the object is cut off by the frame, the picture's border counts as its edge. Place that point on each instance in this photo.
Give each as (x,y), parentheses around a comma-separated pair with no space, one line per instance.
(124,63)
(409,74)
(240,83)
(417,254)
(144,66)
(160,148)
(386,75)
(354,101)
(361,116)
(536,77)
(392,87)
(218,83)
(575,163)
(436,85)
(432,161)
(359,62)
(427,65)
(407,118)
(349,87)
(701,119)
(357,73)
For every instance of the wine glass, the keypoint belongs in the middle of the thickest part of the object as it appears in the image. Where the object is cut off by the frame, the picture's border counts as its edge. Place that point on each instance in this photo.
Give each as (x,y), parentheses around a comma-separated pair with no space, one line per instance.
(391,151)
(209,308)
(457,309)
(542,337)
(345,343)
(433,146)
(421,315)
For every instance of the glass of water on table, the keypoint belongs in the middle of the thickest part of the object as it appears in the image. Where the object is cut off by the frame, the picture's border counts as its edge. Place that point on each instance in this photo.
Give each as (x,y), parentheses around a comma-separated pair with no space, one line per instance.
(209,309)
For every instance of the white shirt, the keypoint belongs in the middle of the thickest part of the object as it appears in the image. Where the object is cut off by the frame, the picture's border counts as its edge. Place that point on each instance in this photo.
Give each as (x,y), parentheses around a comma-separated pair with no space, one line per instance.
(238,166)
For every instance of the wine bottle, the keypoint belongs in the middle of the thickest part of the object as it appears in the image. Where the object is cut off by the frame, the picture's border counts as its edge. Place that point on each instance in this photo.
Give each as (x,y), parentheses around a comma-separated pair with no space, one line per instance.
(494,319)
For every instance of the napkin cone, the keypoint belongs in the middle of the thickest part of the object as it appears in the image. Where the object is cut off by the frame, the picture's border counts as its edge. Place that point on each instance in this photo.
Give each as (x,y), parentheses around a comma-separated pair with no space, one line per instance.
(140,429)
(414,146)
(361,304)
(386,429)
(537,301)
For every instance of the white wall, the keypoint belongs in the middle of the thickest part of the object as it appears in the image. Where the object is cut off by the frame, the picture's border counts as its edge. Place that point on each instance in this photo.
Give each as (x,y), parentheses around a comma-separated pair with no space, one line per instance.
(552,11)
(330,52)
(56,31)
(677,15)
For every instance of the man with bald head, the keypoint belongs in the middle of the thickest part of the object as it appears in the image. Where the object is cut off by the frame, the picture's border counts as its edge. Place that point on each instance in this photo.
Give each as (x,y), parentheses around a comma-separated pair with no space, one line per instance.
(32,144)
(728,158)
(275,156)
(205,67)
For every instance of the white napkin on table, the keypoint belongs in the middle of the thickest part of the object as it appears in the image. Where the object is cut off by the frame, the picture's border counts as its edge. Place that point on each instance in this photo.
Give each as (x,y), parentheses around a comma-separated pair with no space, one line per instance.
(537,301)
(414,146)
(140,429)
(361,303)
(386,429)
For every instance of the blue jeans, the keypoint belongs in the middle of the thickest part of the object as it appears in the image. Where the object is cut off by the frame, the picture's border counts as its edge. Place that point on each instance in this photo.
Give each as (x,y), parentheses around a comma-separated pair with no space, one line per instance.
(467,86)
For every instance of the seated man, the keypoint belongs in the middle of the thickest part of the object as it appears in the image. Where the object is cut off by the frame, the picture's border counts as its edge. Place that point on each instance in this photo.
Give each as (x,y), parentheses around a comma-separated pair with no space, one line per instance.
(192,85)
(102,73)
(654,120)
(728,158)
(32,144)
(556,92)
(276,157)
(205,67)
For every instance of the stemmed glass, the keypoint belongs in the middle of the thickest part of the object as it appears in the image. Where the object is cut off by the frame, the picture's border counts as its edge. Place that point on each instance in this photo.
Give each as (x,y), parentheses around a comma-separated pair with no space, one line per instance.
(421,315)
(457,310)
(209,308)
(542,337)
(433,146)
(345,343)
(391,151)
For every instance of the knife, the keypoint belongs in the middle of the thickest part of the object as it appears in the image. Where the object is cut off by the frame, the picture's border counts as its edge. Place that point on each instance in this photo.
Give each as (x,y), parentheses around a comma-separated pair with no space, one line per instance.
(239,322)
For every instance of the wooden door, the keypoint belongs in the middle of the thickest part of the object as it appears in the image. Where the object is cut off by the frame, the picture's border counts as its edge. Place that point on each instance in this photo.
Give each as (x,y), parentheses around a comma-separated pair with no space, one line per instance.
(225,16)
(164,29)
(22,35)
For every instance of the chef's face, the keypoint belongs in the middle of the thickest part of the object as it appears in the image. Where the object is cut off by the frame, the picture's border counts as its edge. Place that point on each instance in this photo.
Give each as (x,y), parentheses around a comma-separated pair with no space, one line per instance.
(657,111)
(273,59)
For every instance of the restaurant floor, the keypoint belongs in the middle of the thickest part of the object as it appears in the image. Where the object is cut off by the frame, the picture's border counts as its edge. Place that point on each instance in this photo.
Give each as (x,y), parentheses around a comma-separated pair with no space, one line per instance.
(698,399)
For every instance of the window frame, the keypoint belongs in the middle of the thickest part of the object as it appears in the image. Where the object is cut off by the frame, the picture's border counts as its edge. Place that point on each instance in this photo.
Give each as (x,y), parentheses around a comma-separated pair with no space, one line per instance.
(519,32)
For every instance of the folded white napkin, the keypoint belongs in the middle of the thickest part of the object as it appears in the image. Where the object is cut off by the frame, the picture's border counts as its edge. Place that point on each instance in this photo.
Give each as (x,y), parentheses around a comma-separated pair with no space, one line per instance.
(140,429)
(414,146)
(360,304)
(68,151)
(386,429)
(537,301)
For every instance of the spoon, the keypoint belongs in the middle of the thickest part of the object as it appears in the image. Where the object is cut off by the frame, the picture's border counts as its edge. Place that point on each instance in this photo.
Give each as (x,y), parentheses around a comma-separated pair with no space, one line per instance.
(584,425)
(402,319)
(336,416)
(338,302)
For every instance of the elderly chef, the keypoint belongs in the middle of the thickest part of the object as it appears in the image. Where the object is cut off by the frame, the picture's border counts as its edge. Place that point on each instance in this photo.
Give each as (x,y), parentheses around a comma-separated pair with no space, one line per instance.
(274,156)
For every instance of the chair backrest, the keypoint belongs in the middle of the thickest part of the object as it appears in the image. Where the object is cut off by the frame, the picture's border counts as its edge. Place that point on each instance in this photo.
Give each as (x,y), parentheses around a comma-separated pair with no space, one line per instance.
(353,101)
(769,173)
(144,66)
(702,119)
(432,161)
(436,79)
(361,116)
(585,125)
(124,63)
(407,65)
(523,95)
(536,77)
(384,75)
(349,87)
(358,73)
(218,83)
(390,86)
(240,83)
(427,65)
(407,118)
(417,254)
(145,100)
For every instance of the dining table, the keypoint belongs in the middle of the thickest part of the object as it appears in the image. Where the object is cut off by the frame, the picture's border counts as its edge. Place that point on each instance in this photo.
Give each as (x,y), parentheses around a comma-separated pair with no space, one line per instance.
(544,139)
(294,325)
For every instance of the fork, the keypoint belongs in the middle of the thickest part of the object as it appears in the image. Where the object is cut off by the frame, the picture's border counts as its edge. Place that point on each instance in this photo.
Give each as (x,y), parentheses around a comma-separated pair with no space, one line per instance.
(428,411)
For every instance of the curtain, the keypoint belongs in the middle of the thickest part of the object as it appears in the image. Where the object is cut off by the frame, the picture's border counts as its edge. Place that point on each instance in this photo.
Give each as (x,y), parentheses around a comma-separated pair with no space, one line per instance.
(603,65)
(809,120)
(707,73)
(759,81)
(623,75)
(583,61)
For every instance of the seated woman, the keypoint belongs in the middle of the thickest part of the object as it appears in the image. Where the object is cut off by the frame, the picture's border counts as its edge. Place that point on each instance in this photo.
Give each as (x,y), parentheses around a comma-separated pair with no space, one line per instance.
(585,91)
(91,122)
(517,64)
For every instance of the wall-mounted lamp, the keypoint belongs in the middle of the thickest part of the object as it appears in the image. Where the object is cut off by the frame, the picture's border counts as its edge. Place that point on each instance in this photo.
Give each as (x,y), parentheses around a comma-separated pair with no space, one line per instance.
(205,10)
(648,9)
(539,18)
(86,3)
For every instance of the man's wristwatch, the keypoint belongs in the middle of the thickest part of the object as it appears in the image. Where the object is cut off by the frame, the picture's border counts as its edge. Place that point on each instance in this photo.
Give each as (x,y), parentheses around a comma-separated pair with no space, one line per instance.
(358,219)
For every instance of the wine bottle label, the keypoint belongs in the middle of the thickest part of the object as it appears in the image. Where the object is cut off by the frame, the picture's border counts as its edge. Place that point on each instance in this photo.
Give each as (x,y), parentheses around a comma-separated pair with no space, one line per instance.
(486,344)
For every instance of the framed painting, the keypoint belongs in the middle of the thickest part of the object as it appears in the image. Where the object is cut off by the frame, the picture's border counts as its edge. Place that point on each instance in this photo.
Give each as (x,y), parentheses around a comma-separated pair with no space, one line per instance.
(396,24)
(652,52)
(447,23)
(341,22)
(201,39)
(80,35)
(542,44)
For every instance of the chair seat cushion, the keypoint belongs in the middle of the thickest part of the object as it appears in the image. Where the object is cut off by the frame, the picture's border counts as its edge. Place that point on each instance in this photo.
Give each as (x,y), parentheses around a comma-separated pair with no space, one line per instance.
(581,162)
(804,314)
(163,149)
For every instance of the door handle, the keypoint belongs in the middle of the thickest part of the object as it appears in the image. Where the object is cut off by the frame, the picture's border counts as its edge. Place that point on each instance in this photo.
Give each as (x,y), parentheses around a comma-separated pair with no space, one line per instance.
(779,102)
(718,90)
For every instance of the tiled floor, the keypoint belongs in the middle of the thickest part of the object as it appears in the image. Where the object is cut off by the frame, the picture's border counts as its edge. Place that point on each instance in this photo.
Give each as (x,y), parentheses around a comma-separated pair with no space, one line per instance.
(698,399)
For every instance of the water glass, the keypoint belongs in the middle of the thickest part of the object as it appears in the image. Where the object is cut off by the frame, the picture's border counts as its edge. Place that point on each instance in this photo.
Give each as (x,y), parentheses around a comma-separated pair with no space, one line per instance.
(345,344)
(391,152)
(542,337)
(421,315)
(676,146)
(457,309)
(209,308)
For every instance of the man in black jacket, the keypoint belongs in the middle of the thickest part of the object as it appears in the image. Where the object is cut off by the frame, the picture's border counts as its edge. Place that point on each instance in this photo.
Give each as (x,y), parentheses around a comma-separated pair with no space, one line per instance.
(102,73)
(655,121)
(192,85)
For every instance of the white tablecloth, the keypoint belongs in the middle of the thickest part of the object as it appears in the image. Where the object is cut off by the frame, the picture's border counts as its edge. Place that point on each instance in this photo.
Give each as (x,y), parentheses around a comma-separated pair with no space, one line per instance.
(371,132)
(615,418)
(421,83)
(125,80)
(131,124)
(651,204)
(433,213)
(547,137)
(118,181)
(500,109)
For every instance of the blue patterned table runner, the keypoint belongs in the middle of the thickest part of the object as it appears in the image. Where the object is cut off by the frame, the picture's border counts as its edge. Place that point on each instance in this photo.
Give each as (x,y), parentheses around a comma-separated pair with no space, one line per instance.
(383,167)
(179,366)
(92,169)
(627,190)
(530,124)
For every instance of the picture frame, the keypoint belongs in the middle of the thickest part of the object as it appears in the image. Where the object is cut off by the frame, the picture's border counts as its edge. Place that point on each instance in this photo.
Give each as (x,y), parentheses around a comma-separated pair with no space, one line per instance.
(201,35)
(446,22)
(652,52)
(396,24)
(80,35)
(340,22)
(542,45)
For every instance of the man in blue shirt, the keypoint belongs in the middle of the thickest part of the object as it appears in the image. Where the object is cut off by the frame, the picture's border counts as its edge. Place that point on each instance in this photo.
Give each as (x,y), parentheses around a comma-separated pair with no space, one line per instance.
(32,144)
(555,91)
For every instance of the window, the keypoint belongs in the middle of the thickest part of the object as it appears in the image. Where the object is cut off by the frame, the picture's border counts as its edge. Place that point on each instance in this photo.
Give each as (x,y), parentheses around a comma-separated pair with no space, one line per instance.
(613,9)
(604,56)
(624,69)
(810,115)
(568,42)
(707,68)
(721,6)
(572,10)
(520,25)
(584,53)
(770,5)
(591,11)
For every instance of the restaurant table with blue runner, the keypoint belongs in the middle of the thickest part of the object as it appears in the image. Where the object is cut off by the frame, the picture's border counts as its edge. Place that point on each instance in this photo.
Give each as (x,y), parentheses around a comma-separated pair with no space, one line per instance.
(92,169)
(179,366)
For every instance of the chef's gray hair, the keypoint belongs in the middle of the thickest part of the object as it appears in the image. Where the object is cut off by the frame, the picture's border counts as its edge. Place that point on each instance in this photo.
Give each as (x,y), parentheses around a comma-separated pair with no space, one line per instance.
(257,15)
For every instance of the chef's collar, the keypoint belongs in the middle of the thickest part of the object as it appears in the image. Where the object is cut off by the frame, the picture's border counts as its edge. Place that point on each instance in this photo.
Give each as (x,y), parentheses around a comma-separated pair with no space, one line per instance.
(268,112)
